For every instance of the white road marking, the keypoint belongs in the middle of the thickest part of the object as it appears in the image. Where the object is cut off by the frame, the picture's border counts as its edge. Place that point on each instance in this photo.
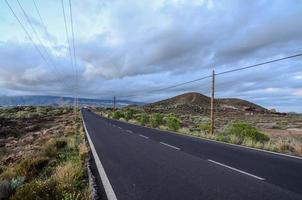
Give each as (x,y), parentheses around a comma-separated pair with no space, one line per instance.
(170,145)
(237,170)
(144,136)
(119,127)
(129,131)
(106,183)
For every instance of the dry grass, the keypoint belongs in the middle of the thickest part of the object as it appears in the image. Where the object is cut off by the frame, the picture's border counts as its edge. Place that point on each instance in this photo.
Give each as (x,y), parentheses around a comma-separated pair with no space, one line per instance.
(51,160)
(66,174)
(83,151)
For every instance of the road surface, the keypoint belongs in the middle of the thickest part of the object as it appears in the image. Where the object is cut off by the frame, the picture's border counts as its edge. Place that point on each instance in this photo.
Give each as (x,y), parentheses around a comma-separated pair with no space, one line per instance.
(144,163)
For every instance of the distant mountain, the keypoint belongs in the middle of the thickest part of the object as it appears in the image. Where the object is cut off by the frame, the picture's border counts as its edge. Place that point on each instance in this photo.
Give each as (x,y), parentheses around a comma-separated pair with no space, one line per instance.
(195,103)
(58,101)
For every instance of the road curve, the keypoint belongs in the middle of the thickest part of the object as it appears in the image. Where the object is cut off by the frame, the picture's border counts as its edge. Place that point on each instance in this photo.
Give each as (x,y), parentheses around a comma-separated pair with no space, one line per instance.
(143,163)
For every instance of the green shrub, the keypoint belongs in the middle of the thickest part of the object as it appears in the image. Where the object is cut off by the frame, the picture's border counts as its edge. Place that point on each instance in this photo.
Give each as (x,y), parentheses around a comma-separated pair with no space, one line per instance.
(234,139)
(50,150)
(38,189)
(129,114)
(68,176)
(156,120)
(41,111)
(117,115)
(72,196)
(221,137)
(30,168)
(143,119)
(17,182)
(205,128)
(244,130)
(173,123)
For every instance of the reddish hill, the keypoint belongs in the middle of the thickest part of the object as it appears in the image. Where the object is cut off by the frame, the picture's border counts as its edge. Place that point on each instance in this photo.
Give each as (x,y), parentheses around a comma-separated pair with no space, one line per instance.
(196,103)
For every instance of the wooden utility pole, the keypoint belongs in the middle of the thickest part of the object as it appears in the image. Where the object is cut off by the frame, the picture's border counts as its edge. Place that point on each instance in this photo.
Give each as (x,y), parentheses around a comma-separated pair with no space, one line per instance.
(212,103)
(114,102)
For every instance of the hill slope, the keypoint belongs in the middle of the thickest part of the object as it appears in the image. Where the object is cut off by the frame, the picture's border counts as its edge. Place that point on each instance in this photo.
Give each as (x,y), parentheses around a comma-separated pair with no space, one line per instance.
(195,103)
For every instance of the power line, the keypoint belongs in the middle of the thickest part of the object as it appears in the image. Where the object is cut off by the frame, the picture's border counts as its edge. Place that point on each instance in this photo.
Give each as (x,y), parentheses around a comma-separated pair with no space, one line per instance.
(74,52)
(27,33)
(217,74)
(259,64)
(67,37)
(72,31)
(39,13)
(36,34)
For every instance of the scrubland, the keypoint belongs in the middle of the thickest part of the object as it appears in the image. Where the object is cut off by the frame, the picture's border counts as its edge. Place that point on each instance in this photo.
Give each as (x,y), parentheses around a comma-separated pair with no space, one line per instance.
(43,154)
(278,133)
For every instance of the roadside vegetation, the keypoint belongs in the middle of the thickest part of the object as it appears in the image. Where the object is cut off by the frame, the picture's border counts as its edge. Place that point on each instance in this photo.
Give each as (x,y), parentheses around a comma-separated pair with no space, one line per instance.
(236,131)
(43,154)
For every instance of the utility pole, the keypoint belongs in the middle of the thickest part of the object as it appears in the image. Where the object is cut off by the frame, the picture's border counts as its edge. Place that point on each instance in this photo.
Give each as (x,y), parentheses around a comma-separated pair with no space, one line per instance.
(114,103)
(212,102)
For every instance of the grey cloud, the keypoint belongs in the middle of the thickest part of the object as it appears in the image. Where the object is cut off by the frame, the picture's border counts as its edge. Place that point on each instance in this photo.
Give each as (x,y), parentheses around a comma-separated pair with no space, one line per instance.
(22,68)
(142,47)
(194,37)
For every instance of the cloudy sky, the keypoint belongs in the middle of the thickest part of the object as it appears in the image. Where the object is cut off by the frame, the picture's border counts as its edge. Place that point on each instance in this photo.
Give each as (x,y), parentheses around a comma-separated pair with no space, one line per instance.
(126,48)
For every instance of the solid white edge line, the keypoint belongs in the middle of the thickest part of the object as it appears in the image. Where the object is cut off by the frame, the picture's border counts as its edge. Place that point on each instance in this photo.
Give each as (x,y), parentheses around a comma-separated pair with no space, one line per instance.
(144,136)
(237,170)
(106,183)
(170,145)
(216,141)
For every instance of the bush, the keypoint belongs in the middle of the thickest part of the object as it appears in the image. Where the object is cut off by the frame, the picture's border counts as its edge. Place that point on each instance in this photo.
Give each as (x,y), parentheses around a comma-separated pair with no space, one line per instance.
(31,167)
(205,128)
(46,190)
(52,146)
(117,115)
(244,130)
(173,123)
(68,177)
(17,182)
(143,119)
(129,114)
(156,120)
(50,149)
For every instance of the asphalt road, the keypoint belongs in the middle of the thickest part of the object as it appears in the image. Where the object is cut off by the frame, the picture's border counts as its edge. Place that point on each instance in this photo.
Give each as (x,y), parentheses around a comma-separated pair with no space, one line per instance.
(144,163)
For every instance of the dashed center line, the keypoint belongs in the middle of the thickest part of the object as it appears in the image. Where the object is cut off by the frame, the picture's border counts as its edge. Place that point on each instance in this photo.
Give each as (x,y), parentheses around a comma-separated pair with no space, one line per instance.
(144,136)
(237,170)
(129,131)
(120,127)
(170,145)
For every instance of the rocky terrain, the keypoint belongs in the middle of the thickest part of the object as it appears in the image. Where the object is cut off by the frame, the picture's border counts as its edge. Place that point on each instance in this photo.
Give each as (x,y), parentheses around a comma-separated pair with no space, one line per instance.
(42,154)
